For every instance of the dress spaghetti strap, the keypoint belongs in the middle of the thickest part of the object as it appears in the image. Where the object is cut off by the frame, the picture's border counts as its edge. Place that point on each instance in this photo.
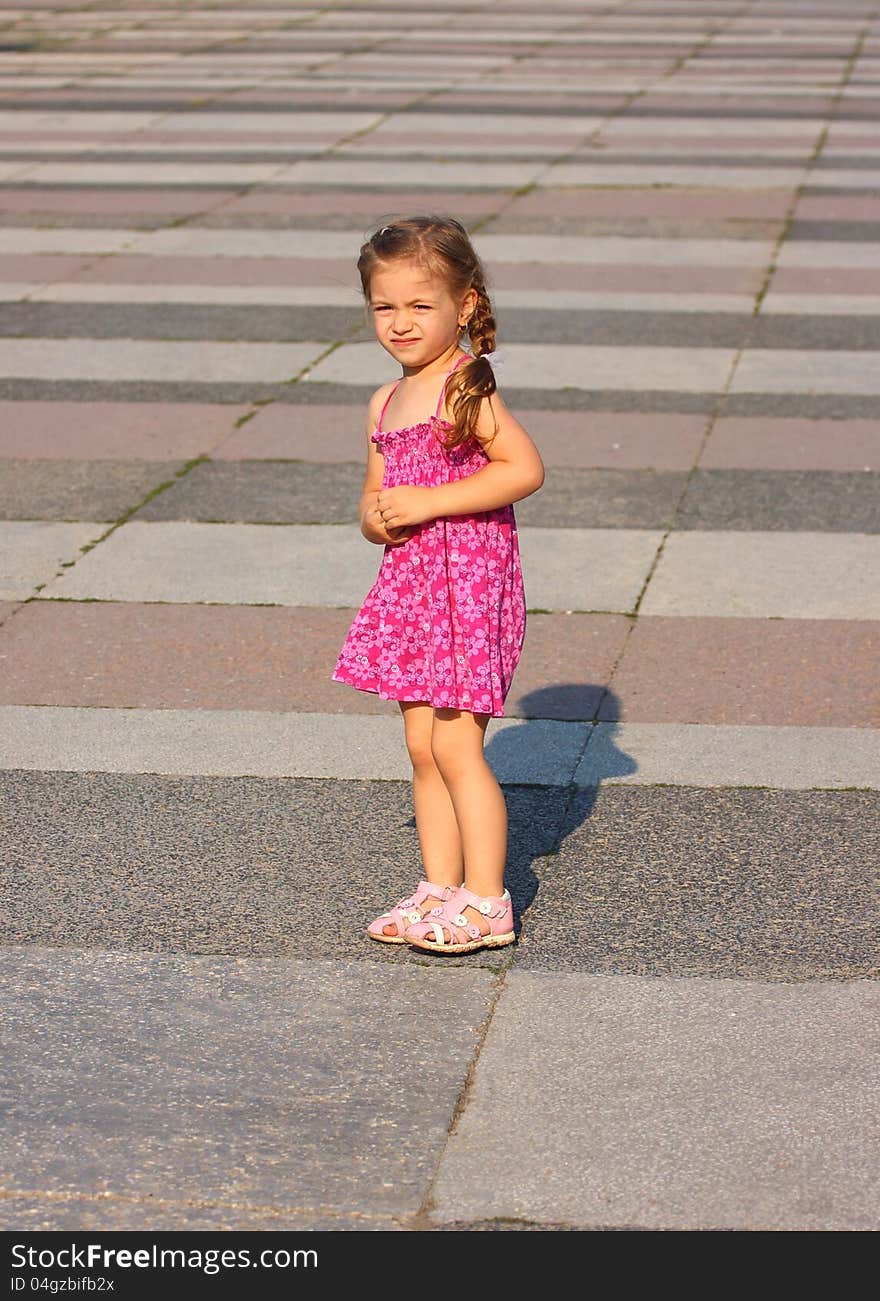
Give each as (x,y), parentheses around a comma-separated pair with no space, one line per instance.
(385,407)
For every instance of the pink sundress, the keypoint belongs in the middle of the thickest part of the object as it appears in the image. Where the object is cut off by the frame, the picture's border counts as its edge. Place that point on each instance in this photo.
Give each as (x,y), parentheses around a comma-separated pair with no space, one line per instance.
(445,620)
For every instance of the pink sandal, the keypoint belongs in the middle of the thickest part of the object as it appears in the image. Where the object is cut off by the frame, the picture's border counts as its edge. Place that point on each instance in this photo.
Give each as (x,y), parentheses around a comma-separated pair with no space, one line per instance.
(406,912)
(448,919)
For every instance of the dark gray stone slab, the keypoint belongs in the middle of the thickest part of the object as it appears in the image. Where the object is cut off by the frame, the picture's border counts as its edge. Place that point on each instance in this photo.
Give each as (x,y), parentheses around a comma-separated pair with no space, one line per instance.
(249,1083)
(179,321)
(574,497)
(321,394)
(796,500)
(645,328)
(297,492)
(31,1213)
(825,333)
(853,232)
(243,866)
(660,881)
(810,406)
(78,490)
(262,492)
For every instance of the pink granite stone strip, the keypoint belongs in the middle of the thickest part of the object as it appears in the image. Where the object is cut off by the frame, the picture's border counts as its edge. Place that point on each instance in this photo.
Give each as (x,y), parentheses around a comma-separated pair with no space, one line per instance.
(126,269)
(163,202)
(593,439)
(826,280)
(126,655)
(837,207)
(752,443)
(359,206)
(125,431)
(42,268)
(628,278)
(766,672)
(132,269)
(637,202)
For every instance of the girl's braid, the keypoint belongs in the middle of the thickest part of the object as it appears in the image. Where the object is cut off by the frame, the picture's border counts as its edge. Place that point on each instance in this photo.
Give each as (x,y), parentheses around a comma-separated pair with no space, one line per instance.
(481,326)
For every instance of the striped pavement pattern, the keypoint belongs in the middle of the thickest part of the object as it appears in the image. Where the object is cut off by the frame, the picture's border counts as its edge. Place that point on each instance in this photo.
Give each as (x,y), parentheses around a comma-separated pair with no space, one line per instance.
(677,205)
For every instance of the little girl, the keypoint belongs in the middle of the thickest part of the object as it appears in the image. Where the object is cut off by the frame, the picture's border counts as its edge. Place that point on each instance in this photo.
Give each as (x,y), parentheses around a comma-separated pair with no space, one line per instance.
(441,629)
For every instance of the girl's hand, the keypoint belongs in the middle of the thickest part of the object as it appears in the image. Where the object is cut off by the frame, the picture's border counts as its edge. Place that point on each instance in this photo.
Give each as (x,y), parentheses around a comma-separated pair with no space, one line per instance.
(374,529)
(406,505)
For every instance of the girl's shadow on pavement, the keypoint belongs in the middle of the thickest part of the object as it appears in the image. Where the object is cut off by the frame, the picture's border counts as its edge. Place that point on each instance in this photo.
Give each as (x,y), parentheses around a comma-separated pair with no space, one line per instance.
(551,764)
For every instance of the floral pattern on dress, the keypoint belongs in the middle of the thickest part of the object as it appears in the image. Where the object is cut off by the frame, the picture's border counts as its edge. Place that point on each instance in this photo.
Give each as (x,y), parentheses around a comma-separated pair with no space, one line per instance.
(445,620)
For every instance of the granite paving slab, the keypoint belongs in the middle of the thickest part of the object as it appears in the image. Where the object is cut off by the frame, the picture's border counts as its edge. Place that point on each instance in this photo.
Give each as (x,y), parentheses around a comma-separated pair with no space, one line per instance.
(708,754)
(678,1105)
(126,431)
(815,330)
(65,1212)
(245,564)
(236,742)
(802,575)
(56,489)
(223,1079)
(586,569)
(791,500)
(542,366)
(587,498)
(780,672)
(127,655)
(128,862)
(666,881)
(301,493)
(744,443)
(254,492)
(180,321)
(32,552)
(326,564)
(146,359)
(802,371)
(601,440)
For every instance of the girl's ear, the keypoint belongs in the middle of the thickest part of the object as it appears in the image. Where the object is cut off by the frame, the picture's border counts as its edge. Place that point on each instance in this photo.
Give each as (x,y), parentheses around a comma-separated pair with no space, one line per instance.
(468,303)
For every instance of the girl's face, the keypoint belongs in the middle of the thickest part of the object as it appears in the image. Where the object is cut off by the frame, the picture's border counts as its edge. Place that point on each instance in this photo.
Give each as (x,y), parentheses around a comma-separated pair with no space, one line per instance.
(415,316)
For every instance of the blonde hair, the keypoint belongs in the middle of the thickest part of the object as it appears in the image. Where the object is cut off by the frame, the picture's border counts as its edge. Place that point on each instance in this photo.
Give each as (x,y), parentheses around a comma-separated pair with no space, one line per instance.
(442,245)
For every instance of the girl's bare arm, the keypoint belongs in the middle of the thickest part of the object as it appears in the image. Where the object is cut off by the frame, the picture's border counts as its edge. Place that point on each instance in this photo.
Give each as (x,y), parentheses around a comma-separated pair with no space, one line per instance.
(515,468)
(370,520)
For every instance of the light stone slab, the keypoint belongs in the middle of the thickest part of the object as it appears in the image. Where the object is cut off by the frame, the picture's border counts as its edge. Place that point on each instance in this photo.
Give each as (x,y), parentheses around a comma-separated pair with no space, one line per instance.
(229,564)
(186,174)
(326,295)
(726,178)
(674,1104)
(586,569)
(341,123)
(516,249)
(333,565)
(691,754)
(32,551)
(148,359)
(159,292)
(424,173)
(13,292)
(773,370)
(64,239)
(257,743)
(575,366)
(767,575)
(716,128)
(836,254)
(820,305)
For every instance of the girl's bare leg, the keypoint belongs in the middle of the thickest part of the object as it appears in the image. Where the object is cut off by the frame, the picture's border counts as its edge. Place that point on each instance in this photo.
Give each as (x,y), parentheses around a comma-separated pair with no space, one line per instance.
(480,811)
(436,824)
